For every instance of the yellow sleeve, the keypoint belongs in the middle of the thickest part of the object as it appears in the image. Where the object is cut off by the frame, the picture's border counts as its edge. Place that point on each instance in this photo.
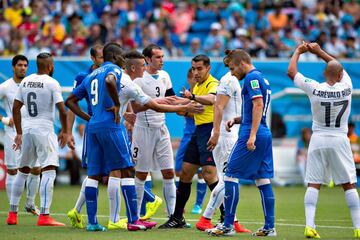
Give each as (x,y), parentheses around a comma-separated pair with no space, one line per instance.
(213,86)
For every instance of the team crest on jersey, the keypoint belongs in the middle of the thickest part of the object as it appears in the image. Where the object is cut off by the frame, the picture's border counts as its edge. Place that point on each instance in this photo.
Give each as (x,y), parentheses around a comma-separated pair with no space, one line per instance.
(307,80)
(254,84)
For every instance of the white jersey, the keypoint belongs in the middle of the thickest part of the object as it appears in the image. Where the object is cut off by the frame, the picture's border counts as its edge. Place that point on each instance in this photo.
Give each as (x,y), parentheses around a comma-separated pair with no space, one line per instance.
(39,94)
(155,88)
(8,91)
(229,86)
(330,105)
(130,91)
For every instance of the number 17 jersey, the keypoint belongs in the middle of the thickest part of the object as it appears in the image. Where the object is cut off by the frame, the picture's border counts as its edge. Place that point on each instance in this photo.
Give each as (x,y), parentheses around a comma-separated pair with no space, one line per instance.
(330,105)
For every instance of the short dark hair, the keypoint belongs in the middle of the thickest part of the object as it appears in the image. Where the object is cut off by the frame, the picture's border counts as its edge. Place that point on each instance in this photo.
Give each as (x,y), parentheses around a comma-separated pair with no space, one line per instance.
(133,54)
(94,49)
(202,58)
(148,50)
(189,73)
(41,58)
(19,58)
(113,52)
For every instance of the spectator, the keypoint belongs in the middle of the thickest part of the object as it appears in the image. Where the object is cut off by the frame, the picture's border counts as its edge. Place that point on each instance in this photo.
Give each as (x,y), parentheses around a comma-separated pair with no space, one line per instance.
(302,151)
(13,13)
(335,47)
(194,49)
(55,29)
(354,142)
(27,28)
(214,42)
(88,15)
(352,49)
(277,19)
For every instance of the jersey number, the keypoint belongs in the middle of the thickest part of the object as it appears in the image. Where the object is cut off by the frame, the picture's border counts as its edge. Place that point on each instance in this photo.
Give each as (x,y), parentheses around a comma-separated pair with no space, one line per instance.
(94,92)
(157,92)
(31,104)
(135,153)
(327,106)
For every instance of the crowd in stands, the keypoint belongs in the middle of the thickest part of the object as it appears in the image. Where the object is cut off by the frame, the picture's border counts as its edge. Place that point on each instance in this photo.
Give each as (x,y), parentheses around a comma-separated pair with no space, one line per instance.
(265,28)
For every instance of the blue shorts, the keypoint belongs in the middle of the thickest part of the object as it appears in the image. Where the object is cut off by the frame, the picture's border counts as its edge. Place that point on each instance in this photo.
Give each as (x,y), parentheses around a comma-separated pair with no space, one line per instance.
(196,151)
(83,156)
(251,165)
(108,151)
(181,152)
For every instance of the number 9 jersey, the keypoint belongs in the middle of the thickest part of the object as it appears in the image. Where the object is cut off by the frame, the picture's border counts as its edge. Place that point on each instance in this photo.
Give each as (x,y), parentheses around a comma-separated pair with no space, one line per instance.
(330,105)
(39,94)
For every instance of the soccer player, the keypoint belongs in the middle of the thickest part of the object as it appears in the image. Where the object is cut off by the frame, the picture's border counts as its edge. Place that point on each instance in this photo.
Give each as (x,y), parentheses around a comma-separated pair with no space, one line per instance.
(107,146)
(197,154)
(151,146)
(96,53)
(8,90)
(39,93)
(329,153)
(227,107)
(251,157)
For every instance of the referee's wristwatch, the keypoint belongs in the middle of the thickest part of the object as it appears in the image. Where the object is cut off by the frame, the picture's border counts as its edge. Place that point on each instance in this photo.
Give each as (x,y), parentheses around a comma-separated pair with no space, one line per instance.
(192,97)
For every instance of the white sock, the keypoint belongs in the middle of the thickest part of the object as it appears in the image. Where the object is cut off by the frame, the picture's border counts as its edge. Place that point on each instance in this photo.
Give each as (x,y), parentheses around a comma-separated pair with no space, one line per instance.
(9,182)
(114,198)
(32,186)
(310,201)
(46,190)
(352,200)
(16,190)
(81,198)
(216,198)
(169,190)
(140,187)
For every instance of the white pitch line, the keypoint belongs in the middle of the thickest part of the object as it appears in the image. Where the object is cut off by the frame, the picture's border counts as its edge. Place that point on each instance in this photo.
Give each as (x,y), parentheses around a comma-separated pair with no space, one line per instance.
(195,220)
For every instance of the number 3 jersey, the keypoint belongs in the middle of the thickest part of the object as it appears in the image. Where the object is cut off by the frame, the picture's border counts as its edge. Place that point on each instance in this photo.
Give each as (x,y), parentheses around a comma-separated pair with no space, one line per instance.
(154,86)
(39,94)
(330,105)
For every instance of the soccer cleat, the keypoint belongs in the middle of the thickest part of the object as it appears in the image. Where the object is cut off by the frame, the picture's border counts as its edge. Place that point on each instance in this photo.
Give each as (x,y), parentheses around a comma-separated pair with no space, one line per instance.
(357,233)
(12,218)
(140,225)
(174,223)
(261,232)
(196,209)
(121,224)
(95,228)
(311,233)
(76,220)
(34,210)
(221,230)
(203,224)
(46,220)
(240,228)
(151,208)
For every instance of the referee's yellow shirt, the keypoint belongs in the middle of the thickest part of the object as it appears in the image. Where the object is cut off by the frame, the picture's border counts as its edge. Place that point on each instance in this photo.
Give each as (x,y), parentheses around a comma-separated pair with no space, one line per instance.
(209,86)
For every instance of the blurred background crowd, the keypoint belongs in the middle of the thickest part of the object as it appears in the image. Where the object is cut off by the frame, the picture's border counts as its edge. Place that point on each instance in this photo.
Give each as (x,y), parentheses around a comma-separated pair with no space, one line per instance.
(266,28)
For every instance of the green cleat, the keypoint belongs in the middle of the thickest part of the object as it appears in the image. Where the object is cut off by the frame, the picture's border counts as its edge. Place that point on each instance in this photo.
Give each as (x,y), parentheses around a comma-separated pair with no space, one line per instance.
(95,228)
(311,233)
(151,208)
(121,224)
(76,219)
(357,233)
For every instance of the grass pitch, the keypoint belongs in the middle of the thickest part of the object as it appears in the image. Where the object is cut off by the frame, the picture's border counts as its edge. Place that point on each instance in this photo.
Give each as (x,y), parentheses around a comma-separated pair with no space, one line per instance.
(332,218)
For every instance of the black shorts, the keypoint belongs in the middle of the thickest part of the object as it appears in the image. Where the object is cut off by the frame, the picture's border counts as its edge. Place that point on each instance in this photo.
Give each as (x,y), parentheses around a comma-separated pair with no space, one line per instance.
(196,151)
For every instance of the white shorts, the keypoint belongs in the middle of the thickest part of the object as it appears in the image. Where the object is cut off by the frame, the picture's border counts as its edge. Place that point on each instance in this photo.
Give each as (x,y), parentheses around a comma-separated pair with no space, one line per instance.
(330,158)
(11,156)
(41,147)
(151,149)
(221,154)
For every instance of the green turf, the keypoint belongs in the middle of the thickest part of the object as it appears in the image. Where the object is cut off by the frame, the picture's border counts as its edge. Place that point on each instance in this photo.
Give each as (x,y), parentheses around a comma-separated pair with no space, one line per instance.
(333,218)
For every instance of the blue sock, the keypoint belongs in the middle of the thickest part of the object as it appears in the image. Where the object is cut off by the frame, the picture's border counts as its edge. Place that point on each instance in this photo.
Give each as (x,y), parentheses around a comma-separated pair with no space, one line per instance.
(129,193)
(231,200)
(177,180)
(91,204)
(148,195)
(268,204)
(201,187)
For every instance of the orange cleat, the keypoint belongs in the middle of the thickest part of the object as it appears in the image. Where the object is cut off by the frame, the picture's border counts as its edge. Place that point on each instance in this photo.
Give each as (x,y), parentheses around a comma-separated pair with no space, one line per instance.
(12,218)
(240,228)
(204,224)
(46,220)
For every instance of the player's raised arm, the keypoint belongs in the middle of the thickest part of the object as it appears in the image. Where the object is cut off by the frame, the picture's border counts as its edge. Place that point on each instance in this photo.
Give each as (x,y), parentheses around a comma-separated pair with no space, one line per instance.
(316,49)
(292,69)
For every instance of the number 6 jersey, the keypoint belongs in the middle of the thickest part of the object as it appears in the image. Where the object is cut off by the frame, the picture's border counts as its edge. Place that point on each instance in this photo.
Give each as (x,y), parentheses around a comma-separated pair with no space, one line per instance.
(330,105)
(39,94)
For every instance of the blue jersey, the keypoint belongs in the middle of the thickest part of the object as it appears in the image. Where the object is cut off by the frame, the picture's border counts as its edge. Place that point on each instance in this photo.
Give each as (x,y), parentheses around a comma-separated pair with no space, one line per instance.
(255,86)
(77,82)
(94,86)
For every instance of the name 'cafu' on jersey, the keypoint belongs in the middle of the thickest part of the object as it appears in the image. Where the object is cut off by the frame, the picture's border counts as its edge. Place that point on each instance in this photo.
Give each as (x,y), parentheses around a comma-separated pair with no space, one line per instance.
(94,86)
(255,86)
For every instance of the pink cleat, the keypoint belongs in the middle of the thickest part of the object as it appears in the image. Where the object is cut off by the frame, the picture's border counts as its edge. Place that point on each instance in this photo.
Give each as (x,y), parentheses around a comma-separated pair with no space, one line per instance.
(140,225)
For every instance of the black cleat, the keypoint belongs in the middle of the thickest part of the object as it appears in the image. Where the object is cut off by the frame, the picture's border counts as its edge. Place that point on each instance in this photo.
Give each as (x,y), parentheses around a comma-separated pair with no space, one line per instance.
(174,223)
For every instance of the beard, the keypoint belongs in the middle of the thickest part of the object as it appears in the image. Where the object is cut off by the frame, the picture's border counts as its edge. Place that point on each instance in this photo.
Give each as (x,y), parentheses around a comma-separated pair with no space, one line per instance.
(51,73)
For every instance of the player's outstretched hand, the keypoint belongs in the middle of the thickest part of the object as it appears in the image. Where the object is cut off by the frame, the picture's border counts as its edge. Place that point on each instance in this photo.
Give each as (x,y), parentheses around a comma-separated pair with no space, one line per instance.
(63,139)
(187,93)
(17,142)
(213,141)
(115,110)
(251,143)
(194,108)
(71,141)
(130,117)
(314,48)
(229,124)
